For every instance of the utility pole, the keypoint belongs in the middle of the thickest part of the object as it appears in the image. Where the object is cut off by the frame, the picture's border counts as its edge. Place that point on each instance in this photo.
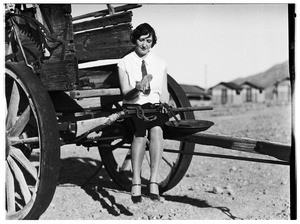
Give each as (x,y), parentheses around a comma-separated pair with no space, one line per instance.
(205,77)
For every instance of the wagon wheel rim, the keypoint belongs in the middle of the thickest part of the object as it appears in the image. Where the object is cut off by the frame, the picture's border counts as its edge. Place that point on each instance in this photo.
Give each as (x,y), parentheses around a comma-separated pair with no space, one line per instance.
(32,144)
(116,156)
(22,176)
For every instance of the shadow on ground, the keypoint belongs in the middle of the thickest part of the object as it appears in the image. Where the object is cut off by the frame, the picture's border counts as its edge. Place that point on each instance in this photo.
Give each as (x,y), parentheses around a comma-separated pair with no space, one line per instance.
(91,176)
(200,204)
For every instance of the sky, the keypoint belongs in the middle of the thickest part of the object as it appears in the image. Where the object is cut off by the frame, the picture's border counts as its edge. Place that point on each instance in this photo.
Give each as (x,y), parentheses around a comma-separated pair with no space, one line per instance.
(204,44)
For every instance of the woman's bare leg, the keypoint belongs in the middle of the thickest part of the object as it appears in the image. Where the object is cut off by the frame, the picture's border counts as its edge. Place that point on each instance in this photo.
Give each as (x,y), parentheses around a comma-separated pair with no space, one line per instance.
(155,150)
(137,156)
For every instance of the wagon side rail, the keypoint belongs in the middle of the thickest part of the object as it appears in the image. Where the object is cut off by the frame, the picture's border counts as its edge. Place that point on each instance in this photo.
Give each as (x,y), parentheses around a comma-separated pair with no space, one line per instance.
(105,12)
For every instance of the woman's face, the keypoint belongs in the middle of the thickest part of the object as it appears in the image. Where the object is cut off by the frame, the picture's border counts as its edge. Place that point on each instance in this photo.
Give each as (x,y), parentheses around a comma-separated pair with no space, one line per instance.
(143,45)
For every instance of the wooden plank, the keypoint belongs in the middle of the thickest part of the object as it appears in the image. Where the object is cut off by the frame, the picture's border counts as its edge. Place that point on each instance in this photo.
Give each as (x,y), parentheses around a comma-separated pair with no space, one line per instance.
(59,76)
(60,20)
(115,35)
(277,150)
(69,45)
(116,19)
(106,11)
(108,43)
(78,94)
(274,149)
(103,53)
(60,71)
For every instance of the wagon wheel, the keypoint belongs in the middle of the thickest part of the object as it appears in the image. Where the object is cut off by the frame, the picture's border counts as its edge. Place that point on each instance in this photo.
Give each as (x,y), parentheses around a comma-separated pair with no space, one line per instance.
(116,156)
(32,144)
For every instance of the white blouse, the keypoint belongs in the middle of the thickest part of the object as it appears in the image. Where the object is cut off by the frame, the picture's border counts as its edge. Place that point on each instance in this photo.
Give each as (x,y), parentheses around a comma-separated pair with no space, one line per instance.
(155,66)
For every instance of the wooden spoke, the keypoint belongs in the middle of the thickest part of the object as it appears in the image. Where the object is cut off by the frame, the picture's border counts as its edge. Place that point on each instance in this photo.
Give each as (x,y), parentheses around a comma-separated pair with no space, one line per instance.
(171,164)
(126,165)
(19,126)
(117,105)
(19,156)
(20,179)
(13,107)
(19,206)
(16,140)
(10,190)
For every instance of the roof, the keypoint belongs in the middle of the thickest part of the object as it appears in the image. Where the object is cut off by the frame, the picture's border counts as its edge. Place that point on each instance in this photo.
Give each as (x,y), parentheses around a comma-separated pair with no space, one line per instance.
(230,85)
(192,88)
(284,79)
(252,85)
(195,92)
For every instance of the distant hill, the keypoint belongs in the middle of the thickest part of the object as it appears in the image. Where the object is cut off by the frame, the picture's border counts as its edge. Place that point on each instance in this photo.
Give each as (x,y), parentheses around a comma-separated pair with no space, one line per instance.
(267,78)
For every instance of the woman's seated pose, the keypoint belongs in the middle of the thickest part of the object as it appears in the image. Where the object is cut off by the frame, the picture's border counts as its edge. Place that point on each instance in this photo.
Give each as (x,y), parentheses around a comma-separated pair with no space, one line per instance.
(143,80)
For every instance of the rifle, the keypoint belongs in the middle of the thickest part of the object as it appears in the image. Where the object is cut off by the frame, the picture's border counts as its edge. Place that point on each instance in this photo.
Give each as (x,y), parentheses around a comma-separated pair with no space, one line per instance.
(85,127)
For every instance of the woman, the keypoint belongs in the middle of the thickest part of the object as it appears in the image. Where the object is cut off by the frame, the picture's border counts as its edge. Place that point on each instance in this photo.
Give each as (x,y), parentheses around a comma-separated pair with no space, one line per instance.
(143,80)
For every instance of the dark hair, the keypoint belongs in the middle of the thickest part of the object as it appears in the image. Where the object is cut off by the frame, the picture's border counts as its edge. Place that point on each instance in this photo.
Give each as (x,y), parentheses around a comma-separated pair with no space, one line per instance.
(143,29)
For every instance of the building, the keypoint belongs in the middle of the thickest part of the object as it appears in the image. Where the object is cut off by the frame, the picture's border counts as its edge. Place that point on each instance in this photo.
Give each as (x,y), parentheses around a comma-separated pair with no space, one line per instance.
(252,93)
(282,90)
(194,92)
(226,93)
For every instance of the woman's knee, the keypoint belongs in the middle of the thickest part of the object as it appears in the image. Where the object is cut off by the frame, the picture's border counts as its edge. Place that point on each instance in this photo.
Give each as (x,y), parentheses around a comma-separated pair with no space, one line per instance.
(139,141)
(156,132)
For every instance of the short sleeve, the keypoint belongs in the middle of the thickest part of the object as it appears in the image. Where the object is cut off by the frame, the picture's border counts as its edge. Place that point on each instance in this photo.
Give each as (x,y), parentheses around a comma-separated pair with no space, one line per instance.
(164,65)
(121,64)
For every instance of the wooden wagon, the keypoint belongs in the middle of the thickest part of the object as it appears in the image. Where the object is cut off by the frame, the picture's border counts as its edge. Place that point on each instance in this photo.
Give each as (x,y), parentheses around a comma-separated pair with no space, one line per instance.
(51,70)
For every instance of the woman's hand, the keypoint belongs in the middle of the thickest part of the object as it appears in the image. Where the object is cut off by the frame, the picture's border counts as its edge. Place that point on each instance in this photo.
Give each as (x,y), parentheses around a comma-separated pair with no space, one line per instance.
(144,84)
(165,108)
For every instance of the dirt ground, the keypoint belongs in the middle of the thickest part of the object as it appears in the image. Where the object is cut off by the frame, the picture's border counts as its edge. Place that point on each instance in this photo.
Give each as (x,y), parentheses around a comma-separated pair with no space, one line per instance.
(212,189)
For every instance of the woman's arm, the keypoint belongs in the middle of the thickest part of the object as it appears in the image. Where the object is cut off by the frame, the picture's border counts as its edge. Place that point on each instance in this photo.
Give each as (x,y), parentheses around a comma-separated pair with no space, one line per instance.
(130,92)
(127,90)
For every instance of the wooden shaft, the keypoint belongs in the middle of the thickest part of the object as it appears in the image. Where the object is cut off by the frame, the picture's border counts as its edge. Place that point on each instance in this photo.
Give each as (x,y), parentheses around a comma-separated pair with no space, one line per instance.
(79,94)
(278,162)
(277,150)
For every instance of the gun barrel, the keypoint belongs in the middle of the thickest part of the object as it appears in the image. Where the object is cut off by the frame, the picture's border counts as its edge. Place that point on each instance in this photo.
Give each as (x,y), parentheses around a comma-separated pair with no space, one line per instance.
(175,110)
(186,109)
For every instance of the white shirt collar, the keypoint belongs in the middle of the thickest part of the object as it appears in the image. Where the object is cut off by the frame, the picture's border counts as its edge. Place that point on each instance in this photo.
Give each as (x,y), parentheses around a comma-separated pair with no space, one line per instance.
(147,59)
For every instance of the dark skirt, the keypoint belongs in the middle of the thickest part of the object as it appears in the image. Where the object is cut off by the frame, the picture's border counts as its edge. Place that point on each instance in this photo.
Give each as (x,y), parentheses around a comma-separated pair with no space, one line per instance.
(140,125)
